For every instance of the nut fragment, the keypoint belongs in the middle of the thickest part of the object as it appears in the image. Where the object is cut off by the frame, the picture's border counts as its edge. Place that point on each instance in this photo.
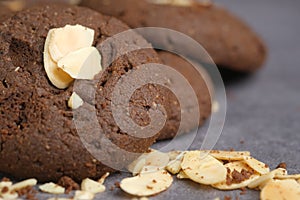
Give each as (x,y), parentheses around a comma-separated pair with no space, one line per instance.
(258,166)
(52,188)
(102,179)
(9,196)
(23,184)
(5,184)
(69,38)
(228,155)
(57,76)
(291,176)
(261,181)
(174,166)
(147,184)
(83,195)
(92,186)
(202,168)
(239,175)
(279,172)
(182,175)
(75,101)
(84,63)
(157,158)
(173,2)
(281,189)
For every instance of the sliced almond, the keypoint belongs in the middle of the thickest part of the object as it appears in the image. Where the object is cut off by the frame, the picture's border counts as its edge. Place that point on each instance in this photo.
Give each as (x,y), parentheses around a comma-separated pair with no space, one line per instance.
(182,175)
(92,186)
(258,166)
(75,101)
(150,169)
(174,166)
(291,176)
(173,2)
(238,166)
(157,158)
(52,188)
(261,181)
(228,155)
(281,190)
(83,195)
(102,179)
(203,169)
(69,38)
(84,63)
(279,172)
(173,154)
(147,184)
(9,196)
(5,184)
(23,184)
(57,76)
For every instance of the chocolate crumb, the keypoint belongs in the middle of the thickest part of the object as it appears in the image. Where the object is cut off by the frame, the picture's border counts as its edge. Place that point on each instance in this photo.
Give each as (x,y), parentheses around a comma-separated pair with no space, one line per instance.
(111,188)
(243,191)
(68,183)
(227,198)
(117,184)
(281,165)
(28,193)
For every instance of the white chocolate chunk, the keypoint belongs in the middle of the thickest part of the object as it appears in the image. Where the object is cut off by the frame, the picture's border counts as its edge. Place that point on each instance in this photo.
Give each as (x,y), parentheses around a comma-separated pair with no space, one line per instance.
(23,184)
(92,186)
(83,195)
(57,76)
(84,63)
(281,190)
(258,166)
(228,155)
(238,166)
(52,188)
(203,169)
(69,38)
(147,184)
(75,101)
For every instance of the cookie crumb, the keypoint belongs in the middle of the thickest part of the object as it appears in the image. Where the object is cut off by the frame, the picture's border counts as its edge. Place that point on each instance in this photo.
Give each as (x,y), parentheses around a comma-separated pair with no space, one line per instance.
(68,183)
(281,165)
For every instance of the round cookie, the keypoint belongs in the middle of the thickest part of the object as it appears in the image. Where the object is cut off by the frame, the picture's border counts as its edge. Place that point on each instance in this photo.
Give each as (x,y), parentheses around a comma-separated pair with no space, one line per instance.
(228,40)
(201,84)
(38,137)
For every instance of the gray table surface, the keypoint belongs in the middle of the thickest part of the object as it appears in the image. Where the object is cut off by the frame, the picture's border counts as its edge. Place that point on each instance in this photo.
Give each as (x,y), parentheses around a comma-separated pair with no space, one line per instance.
(263,109)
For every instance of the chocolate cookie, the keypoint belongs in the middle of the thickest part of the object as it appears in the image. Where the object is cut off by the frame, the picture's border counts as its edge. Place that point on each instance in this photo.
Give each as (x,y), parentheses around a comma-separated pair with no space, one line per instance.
(200,83)
(228,40)
(38,137)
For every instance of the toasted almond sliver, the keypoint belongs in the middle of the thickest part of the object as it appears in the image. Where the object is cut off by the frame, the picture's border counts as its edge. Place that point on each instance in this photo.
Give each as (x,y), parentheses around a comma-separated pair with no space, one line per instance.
(261,181)
(9,196)
(69,38)
(174,166)
(102,179)
(150,169)
(258,166)
(57,76)
(182,175)
(228,155)
(279,172)
(92,186)
(238,166)
(173,154)
(52,188)
(136,166)
(5,184)
(281,189)
(203,169)
(23,184)
(291,176)
(84,63)
(147,184)
(83,195)
(157,158)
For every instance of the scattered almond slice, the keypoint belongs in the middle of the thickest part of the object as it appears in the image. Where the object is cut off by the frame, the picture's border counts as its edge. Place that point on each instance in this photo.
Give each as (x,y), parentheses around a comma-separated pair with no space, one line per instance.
(102,179)
(258,166)
(236,166)
(261,181)
(150,169)
(57,76)
(173,2)
(5,184)
(9,196)
(83,195)
(203,169)
(84,63)
(92,186)
(23,184)
(291,176)
(69,38)
(147,184)
(182,175)
(174,166)
(173,154)
(157,158)
(279,172)
(52,188)
(75,101)
(280,190)
(228,155)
